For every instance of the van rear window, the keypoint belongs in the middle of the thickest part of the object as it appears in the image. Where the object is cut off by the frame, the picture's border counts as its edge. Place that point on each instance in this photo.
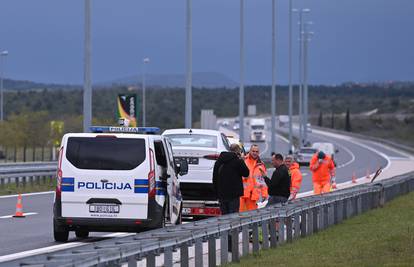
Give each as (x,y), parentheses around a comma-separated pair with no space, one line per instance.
(105,153)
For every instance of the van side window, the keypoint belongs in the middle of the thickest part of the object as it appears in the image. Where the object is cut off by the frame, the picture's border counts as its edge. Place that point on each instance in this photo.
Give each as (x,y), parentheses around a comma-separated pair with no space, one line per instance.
(160,154)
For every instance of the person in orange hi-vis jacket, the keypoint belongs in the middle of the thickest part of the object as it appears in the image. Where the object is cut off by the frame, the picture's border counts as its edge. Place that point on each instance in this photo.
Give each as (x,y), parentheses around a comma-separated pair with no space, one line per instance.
(255,188)
(323,173)
(295,176)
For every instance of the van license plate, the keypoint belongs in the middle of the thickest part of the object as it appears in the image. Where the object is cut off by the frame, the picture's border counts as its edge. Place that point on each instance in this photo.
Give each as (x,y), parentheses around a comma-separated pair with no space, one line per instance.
(103,208)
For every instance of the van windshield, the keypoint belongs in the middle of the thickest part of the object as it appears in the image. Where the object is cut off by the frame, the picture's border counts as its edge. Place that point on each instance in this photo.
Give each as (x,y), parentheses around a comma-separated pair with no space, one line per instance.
(105,153)
(257,127)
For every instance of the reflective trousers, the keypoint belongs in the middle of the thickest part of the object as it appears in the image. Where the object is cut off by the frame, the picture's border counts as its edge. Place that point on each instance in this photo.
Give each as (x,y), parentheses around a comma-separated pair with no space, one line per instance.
(321,187)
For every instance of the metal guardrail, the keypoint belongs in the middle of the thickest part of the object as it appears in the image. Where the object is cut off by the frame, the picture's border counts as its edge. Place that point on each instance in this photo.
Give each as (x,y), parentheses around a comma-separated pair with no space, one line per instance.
(278,224)
(23,173)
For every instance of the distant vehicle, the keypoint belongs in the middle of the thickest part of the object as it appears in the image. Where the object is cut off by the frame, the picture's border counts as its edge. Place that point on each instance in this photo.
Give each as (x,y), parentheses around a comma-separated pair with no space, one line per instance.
(257,130)
(116,179)
(309,127)
(200,148)
(283,120)
(327,148)
(225,123)
(304,155)
(236,126)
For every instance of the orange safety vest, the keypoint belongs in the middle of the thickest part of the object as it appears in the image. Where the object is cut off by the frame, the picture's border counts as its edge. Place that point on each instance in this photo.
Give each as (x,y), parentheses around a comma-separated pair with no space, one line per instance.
(255,188)
(296,178)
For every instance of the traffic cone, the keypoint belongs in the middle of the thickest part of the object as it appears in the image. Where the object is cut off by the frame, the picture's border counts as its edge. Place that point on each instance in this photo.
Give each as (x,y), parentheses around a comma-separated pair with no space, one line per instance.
(19,208)
(368,176)
(354,181)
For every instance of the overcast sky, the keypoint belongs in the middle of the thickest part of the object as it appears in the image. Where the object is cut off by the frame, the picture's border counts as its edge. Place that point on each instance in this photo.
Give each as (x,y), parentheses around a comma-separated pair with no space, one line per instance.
(355,40)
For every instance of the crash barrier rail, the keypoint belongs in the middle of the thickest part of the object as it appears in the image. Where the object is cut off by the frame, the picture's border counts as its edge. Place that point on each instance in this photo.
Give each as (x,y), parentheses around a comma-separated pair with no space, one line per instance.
(251,231)
(27,173)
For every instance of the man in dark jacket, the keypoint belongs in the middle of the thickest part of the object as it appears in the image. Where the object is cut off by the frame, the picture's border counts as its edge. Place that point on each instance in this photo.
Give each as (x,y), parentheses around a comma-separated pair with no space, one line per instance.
(227,179)
(279,185)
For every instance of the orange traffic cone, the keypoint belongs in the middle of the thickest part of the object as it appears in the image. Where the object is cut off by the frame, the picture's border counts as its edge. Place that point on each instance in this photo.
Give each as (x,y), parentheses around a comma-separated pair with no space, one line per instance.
(19,208)
(354,181)
(368,174)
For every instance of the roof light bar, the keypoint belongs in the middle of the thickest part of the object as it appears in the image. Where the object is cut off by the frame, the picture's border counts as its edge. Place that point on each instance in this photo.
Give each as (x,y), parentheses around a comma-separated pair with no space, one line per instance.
(122,129)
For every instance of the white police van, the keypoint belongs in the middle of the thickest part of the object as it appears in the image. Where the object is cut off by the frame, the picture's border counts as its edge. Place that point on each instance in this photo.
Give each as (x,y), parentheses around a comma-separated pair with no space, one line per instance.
(116,179)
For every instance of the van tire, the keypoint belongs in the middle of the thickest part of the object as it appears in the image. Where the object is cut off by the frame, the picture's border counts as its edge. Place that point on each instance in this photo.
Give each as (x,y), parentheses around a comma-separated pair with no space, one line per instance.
(60,234)
(81,233)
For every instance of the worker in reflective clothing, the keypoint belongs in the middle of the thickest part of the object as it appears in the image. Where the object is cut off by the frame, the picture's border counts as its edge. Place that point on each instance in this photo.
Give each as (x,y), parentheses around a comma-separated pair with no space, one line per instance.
(295,176)
(323,173)
(255,189)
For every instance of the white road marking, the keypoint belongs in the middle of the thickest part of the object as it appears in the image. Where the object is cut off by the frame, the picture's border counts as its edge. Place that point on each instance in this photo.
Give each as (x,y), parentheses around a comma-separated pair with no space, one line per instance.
(53,248)
(29,194)
(25,214)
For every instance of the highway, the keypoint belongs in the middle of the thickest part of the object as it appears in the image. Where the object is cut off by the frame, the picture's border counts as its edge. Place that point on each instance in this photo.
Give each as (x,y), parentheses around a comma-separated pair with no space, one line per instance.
(35,231)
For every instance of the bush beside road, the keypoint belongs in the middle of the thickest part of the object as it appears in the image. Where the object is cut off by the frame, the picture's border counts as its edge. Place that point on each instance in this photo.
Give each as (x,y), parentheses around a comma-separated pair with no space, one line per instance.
(381,237)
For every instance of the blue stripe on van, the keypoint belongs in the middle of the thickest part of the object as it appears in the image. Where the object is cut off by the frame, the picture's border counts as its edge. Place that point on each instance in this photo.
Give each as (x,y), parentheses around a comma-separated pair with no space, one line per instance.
(68,184)
(141,186)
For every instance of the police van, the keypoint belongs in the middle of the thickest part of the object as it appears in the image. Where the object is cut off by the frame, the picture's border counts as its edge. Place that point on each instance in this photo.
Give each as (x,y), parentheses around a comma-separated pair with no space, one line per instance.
(116,179)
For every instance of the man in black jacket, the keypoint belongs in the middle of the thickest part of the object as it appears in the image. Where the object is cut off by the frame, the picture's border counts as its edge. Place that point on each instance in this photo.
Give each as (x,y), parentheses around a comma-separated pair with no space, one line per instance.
(279,185)
(227,179)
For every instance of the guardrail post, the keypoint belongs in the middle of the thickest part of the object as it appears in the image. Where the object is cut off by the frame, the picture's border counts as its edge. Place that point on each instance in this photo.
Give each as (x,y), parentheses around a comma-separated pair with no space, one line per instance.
(315,220)
(289,229)
(325,209)
(320,217)
(235,256)
(310,221)
(331,213)
(168,257)
(132,261)
(255,237)
(212,252)
(184,259)
(2,183)
(303,223)
(224,239)
(245,240)
(273,233)
(359,204)
(31,181)
(265,234)
(24,181)
(382,197)
(198,255)
(38,180)
(151,259)
(296,221)
(281,230)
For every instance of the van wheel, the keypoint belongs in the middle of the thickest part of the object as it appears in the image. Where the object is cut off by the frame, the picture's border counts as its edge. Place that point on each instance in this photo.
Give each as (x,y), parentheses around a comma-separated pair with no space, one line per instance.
(60,233)
(81,233)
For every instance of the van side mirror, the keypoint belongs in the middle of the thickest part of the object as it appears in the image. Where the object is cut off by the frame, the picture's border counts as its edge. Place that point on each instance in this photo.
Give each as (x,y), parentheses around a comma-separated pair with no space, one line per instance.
(182,167)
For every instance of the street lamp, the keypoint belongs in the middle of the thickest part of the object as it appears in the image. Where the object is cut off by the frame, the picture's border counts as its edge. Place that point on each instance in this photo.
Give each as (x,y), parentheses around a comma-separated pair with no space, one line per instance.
(241,89)
(189,56)
(306,38)
(273,92)
(87,84)
(2,54)
(301,45)
(145,61)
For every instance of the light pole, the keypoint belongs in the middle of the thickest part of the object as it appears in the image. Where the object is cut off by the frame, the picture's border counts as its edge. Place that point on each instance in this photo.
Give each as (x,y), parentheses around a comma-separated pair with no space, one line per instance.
(2,54)
(241,89)
(301,127)
(188,87)
(290,78)
(273,93)
(87,88)
(306,39)
(145,61)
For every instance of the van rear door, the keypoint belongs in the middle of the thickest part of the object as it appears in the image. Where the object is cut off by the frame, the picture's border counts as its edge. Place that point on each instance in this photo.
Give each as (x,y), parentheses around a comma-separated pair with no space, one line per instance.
(105,176)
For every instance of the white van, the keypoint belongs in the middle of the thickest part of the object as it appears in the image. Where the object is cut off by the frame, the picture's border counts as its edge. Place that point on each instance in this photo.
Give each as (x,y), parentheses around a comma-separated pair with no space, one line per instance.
(116,180)
(257,130)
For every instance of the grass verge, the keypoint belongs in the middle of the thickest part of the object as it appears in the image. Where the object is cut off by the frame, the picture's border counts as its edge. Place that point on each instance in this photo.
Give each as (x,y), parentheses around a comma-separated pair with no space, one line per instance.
(381,237)
(11,189)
